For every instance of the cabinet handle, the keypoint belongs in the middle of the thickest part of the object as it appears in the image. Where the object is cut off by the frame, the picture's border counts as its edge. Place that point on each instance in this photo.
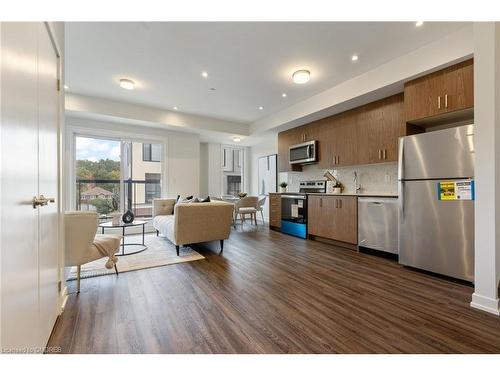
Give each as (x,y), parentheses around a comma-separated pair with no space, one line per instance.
(385,153)
(446,100)
(334,159)
(336,203)
(340,203)
(321,202)
(439,102)
(379,154)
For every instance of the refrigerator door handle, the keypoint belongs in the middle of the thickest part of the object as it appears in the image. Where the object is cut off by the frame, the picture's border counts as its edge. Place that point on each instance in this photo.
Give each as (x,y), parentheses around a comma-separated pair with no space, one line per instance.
(400,159)
(401,199)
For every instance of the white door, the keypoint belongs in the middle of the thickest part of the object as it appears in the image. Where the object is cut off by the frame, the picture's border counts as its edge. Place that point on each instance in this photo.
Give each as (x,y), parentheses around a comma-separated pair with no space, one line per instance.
(47,181)
(28,168)
(19,273)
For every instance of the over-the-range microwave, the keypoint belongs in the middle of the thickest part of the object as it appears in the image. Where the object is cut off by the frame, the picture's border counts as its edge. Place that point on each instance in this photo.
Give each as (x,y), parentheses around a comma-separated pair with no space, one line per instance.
(304,153)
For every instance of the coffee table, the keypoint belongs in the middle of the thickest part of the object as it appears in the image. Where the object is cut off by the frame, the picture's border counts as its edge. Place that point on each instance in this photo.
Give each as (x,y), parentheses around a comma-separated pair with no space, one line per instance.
(135,223)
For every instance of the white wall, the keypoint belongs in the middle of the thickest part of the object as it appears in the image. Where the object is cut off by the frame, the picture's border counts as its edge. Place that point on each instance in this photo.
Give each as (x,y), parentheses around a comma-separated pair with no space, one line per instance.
(268,146)
(203,169)
(211,172)
(487,169)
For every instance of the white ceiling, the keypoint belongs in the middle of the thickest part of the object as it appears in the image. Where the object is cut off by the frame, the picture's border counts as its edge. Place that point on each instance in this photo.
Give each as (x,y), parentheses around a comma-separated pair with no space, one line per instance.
(249,64)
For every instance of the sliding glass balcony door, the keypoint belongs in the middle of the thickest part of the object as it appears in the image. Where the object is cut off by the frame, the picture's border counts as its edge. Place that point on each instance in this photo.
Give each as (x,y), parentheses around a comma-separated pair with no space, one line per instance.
(114,175)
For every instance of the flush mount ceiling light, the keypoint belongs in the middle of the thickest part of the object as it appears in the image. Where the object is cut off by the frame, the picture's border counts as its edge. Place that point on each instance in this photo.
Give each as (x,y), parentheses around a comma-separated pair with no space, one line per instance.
(127,84)
(283,95)
(301,76)
(175,108)
(204,74)
(419,23)
(236,139)
(66,87)
(261,108)
(354,58)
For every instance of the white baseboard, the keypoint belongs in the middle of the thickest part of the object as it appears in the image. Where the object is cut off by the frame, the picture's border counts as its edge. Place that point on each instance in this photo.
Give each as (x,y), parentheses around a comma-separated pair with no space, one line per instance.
(491,305)
(64,296)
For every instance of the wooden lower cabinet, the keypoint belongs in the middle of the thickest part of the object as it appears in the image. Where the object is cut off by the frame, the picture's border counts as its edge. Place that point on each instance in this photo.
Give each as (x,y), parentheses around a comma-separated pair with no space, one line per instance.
(333,217)
(275,210)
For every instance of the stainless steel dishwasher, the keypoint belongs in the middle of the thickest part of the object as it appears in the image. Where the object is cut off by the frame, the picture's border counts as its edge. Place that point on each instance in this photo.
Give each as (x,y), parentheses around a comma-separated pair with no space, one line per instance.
(378,223)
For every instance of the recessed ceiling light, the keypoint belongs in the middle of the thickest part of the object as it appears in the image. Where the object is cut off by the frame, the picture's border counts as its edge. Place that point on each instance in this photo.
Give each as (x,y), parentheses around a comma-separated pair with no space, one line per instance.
(66,87)
(419,23)
(236,139)
(175,108)
(354,58)
(127,84)
(301,76)
(261,108)
(204,74)
(283,95)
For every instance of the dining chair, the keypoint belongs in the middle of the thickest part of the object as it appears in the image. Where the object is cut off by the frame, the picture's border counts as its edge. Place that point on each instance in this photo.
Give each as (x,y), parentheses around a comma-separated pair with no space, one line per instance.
(260,207)
(246,206)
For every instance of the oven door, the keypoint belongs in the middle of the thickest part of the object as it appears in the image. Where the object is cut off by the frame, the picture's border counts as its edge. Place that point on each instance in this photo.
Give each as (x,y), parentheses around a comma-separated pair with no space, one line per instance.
(294,215)
(294,208)
(303,153)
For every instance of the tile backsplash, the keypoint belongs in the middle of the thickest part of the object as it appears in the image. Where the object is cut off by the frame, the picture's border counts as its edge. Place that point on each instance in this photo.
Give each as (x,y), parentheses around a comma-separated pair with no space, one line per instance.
(374,179)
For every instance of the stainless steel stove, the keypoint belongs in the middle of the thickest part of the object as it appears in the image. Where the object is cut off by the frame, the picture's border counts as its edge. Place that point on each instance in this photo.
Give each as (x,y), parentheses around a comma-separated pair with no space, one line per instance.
(294,208)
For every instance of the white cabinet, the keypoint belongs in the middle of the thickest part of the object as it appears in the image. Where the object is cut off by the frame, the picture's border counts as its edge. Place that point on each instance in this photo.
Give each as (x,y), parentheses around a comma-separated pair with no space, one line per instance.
(227,159)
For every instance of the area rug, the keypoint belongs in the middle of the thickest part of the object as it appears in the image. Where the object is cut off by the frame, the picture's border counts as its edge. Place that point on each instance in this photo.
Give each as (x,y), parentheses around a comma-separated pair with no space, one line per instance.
(160,252)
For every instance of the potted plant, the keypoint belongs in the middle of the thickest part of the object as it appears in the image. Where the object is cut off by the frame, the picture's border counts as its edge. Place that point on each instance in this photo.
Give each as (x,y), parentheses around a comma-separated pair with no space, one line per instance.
(283,186)
(242,194)
(337,188)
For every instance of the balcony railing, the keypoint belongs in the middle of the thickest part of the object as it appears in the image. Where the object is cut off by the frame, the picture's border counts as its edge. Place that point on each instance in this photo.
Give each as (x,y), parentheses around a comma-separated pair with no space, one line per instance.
(103,195)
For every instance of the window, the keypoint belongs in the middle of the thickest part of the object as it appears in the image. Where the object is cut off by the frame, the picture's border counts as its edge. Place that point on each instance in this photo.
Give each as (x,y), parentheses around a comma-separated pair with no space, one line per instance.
(111,176)
(153,186)
(151,152)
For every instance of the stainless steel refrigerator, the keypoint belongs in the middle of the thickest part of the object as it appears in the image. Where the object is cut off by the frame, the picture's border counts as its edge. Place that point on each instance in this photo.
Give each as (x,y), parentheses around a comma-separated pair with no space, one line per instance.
(436,201)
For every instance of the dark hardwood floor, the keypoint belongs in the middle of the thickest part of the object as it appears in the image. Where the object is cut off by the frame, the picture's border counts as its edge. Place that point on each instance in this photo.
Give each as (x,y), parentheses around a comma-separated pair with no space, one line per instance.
(272,293)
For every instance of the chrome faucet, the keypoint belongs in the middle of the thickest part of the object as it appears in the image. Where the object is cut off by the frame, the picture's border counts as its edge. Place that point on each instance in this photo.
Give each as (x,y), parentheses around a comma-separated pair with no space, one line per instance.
(357,187)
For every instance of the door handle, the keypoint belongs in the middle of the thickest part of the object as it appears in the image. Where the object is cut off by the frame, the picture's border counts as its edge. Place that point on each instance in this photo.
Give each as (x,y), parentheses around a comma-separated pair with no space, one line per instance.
(401,198)
(42,201)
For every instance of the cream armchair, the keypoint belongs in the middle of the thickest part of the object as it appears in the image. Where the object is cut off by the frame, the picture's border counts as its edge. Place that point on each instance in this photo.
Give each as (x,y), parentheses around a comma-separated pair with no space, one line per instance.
(189,223)
(82,243)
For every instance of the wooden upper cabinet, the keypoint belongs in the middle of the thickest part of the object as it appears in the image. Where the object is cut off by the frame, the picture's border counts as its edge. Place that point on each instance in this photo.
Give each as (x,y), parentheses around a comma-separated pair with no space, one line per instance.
(285,140)
(459,86)
(442,92)
(364,135)
(379,127)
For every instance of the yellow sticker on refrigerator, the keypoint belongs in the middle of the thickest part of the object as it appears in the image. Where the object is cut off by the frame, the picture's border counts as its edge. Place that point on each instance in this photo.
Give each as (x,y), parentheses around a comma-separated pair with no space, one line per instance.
(457,190)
